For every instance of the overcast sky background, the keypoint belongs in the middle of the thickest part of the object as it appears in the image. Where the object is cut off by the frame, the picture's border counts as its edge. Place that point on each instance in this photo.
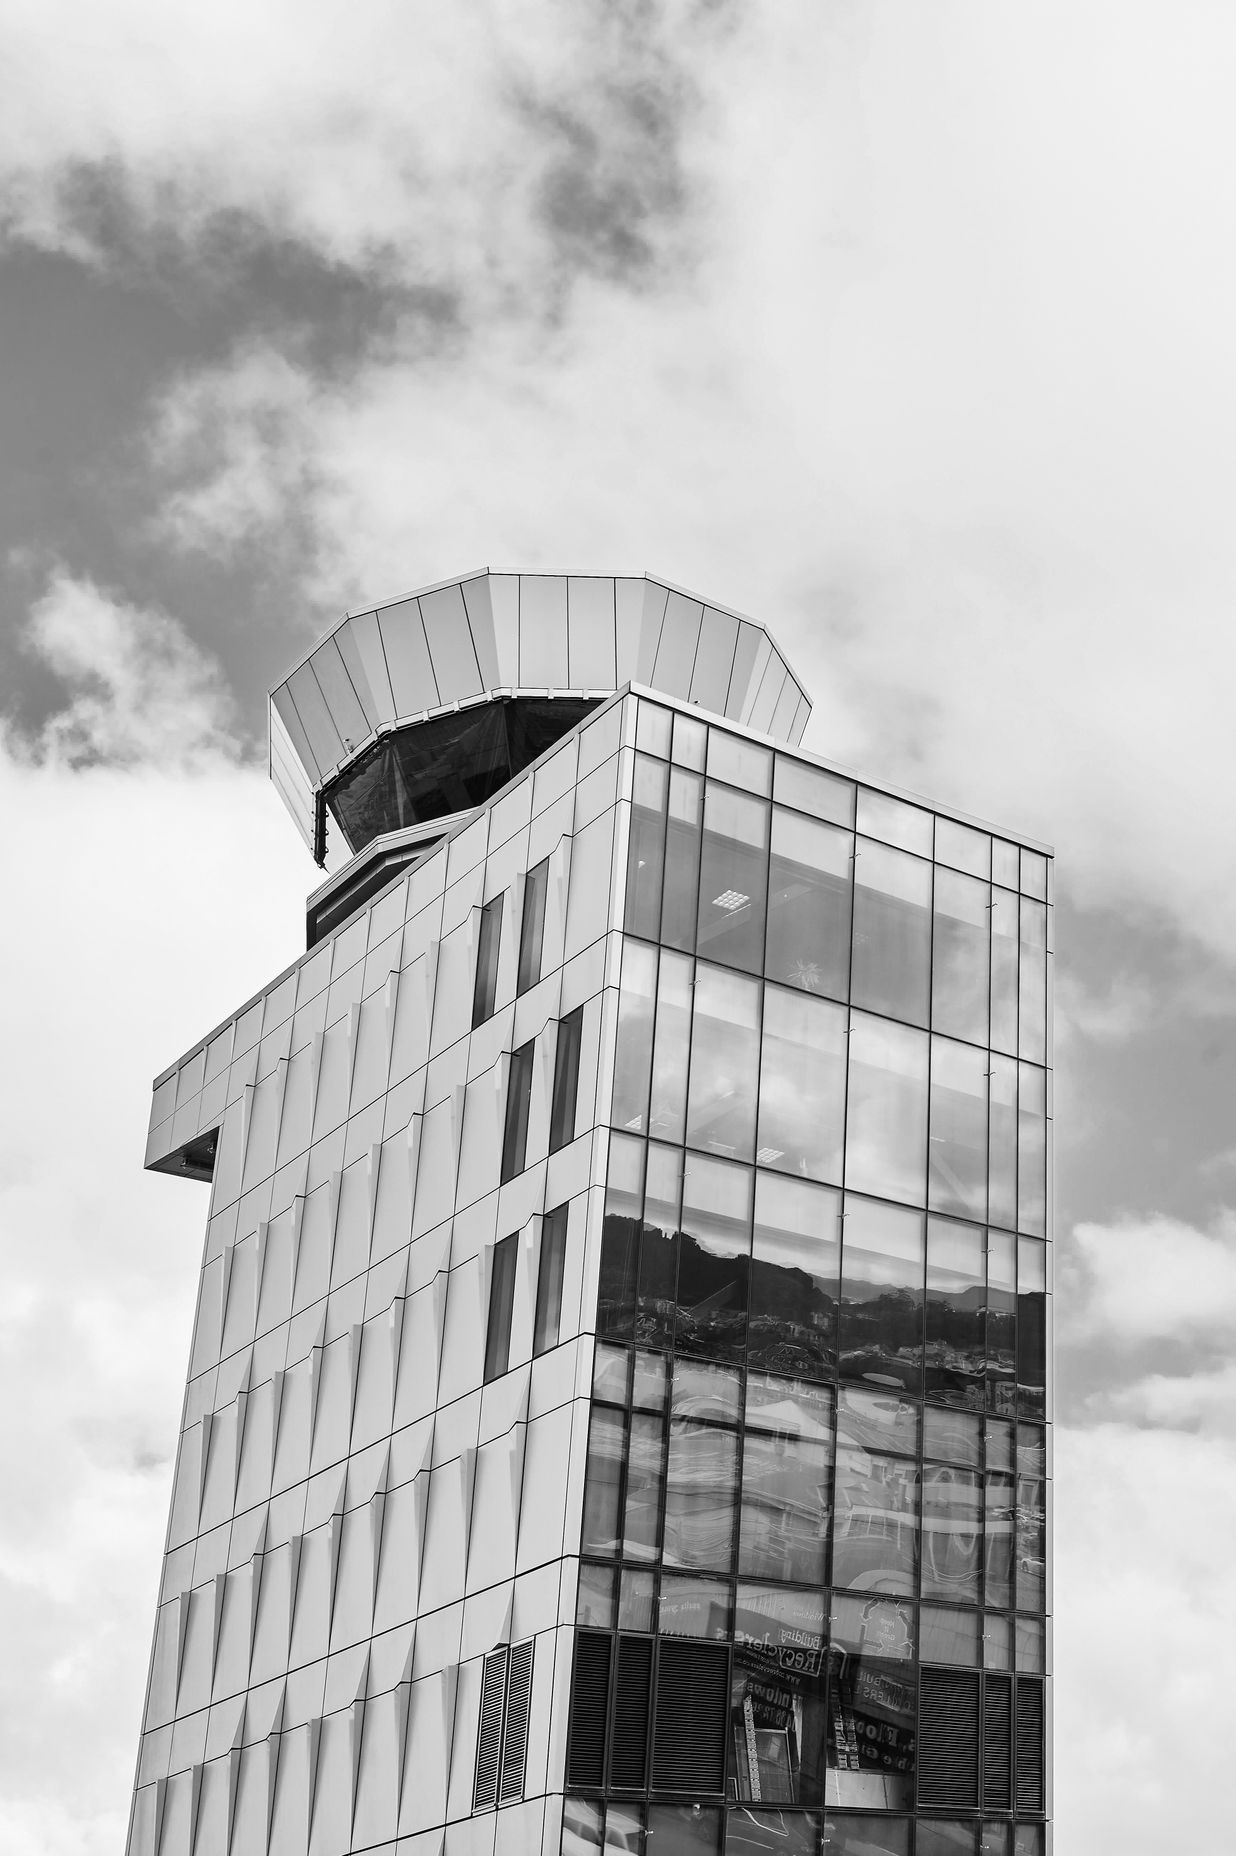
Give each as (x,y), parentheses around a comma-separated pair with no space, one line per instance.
(908,329)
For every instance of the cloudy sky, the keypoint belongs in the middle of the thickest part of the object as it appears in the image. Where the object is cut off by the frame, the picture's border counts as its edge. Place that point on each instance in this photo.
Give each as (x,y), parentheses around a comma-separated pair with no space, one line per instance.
(908,329)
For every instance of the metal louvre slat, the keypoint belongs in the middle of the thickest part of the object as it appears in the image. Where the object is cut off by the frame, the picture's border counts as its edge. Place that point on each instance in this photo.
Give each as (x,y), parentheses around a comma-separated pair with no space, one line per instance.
(948,1739)
(515,1731)
(489,1739)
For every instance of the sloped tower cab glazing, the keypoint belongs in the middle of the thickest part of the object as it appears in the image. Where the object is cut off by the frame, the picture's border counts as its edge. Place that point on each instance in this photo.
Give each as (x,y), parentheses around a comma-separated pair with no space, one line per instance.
(618,1415)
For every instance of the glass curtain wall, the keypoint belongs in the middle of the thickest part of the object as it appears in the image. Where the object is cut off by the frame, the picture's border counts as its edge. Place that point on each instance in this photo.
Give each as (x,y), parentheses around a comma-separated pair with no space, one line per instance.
(818,1466)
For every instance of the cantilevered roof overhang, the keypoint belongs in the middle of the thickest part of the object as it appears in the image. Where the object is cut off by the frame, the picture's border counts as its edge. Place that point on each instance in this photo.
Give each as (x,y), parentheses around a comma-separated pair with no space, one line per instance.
(490,634)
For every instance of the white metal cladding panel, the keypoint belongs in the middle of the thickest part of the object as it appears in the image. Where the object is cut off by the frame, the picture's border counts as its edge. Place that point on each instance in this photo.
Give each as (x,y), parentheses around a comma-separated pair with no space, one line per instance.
(355,1515)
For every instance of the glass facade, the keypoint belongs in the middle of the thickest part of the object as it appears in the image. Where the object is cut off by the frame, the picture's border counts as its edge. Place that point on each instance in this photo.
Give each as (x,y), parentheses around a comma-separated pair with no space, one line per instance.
(813,1599)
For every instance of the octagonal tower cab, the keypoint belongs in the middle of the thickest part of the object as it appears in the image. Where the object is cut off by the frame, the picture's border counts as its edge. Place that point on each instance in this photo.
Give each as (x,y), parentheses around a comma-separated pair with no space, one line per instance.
(407,717)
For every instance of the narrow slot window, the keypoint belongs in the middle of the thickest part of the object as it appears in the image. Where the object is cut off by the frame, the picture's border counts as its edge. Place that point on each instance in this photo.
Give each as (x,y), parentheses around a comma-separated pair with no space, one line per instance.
(501,1305)
(547,1325)
(566,1080)
(518,1099)
(532,927)
(486,987)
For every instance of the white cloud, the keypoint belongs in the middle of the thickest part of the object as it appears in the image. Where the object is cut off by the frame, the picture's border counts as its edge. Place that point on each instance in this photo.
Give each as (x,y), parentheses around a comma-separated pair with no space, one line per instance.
(922,399)
(119,947)
(141,690)
(1154,1278)
(1144,1607)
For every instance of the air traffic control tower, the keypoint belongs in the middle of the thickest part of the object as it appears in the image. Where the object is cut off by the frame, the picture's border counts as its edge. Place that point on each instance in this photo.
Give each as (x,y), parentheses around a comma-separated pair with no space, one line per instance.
(618,1410)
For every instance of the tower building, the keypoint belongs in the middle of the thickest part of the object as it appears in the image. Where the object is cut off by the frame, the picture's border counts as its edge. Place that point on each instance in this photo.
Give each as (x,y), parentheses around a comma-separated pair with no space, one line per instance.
(618,1410)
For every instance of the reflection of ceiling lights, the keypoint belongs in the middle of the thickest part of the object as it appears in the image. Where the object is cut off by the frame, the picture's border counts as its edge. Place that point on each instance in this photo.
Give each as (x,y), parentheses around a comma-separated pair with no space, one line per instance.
(767,1155)
(730,899)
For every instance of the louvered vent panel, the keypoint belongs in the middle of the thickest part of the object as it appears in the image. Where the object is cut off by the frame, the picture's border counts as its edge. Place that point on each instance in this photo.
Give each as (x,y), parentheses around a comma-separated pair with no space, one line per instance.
(948,1739)
(628,1759)
(589,1697)
(688,1753)
(1029,1745)
(998,1744)
(489,1740)
(515,1732)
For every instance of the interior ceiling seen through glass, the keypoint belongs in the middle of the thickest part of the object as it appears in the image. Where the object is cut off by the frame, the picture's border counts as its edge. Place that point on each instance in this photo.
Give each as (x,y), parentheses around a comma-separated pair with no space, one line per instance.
(446,765)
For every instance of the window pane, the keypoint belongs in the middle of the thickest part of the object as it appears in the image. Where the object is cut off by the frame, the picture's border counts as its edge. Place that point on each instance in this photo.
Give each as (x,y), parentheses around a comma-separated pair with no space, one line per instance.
(683,1830)
(963,847)
(724,1063)
(733,878)
(802,1085)
(606,1432)
(1032,982)
(1001,1323)
(1034,874)
(811,789)
(1002,1143)
(1031,1545)
(1004,971)
(690,741)
(1031,1149)
(694,1607)
(778,1723)
(566,1080)
(883,1420)
(667,1115)
(873,1707)
(518,1098)
(501,1304)
(715,1259)
(547,1321)
(1031,1646)
(809,904)
(682,859)
(643,1504)
(1031,1326)
(960,957)
(933,1837)
(659,1245)
(770,1832)
(867,1835)
(957,1152)
(998,1539)
(956,1359)
(947,1636)
(633,1048)
(952,1533)
(892,932)
(795,1275)
(742,763)
(886,1127)
(882,1627)
(646,852)
(532,926)
(882,816)
(703,1389)
(700,1496)
(785,1508)
(581,1826)
(624,1196)
(997,1642)
(875,1529)
(594,1604)
(653,726)
(952,1436)
(488,937)
(794,1407)
(882,1295)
